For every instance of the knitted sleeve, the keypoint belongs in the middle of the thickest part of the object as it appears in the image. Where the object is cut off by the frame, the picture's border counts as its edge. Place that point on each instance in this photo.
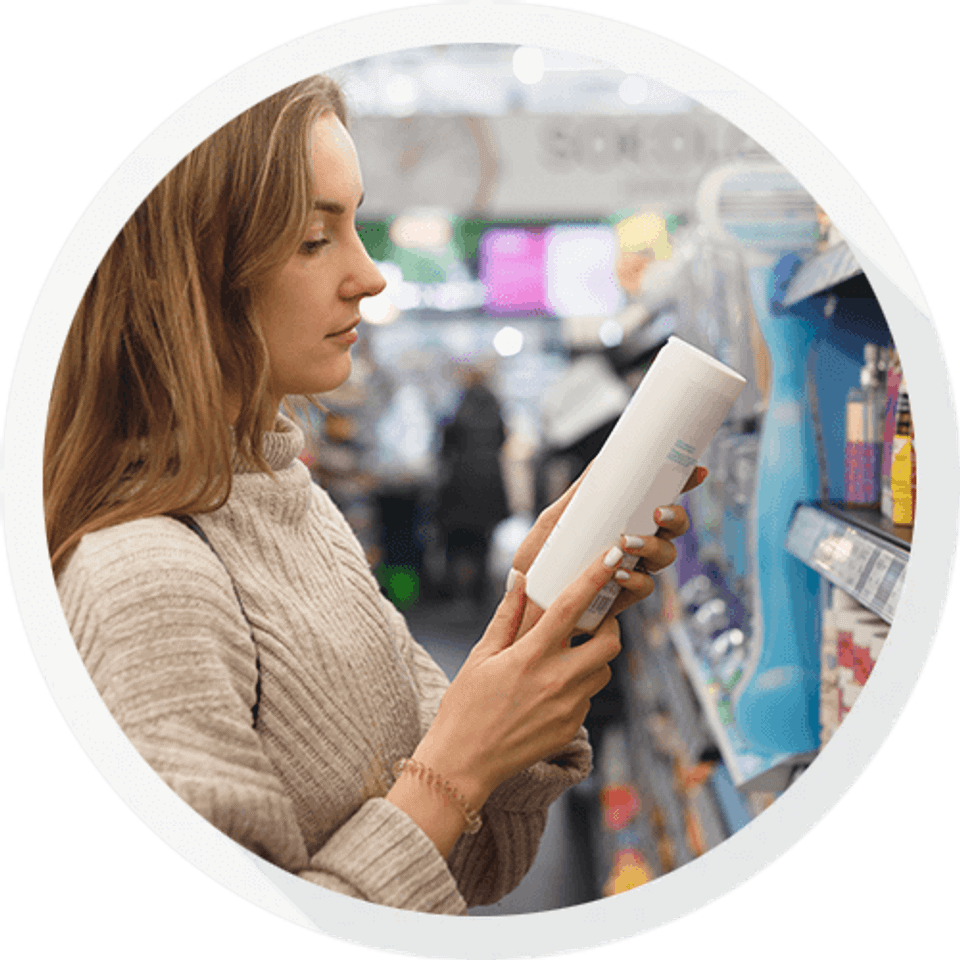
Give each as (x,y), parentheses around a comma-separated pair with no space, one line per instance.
(159,630)
(489,864)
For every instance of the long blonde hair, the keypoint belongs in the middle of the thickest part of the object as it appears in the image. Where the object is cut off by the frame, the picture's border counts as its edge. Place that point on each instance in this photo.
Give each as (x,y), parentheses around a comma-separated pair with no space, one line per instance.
(166,333)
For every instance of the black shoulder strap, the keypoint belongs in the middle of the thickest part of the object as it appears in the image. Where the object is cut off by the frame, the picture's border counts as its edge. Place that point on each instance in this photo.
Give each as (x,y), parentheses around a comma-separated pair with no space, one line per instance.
(198,530)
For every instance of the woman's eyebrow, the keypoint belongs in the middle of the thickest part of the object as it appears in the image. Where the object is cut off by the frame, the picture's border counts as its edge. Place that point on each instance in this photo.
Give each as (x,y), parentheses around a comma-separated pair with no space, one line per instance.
(331,206)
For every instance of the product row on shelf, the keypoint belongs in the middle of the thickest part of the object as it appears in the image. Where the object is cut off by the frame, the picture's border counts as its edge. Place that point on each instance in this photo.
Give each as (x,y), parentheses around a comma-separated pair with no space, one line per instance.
(665,794)
(880,469)
(757,643)
(674,778)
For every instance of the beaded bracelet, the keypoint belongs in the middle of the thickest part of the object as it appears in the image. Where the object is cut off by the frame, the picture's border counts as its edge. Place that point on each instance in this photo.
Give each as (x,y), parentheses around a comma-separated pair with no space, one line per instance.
(426,775)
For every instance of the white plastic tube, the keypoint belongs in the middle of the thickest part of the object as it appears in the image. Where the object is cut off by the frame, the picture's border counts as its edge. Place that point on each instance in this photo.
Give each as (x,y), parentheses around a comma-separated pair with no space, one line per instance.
(680,404)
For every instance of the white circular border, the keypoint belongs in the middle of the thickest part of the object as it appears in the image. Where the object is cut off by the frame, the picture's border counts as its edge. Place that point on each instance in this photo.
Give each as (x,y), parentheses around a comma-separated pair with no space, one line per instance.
(747,851)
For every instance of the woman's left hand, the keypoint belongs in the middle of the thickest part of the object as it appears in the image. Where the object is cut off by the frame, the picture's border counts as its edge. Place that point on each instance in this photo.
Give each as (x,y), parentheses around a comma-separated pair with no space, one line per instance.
(655,552)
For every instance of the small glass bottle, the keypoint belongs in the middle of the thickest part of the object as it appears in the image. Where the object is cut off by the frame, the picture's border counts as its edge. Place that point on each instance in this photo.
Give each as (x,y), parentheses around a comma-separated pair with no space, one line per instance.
(862,456)
(853,448)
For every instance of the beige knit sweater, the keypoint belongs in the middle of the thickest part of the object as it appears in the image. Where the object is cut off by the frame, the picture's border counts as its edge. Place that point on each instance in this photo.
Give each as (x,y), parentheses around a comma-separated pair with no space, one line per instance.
(346,691)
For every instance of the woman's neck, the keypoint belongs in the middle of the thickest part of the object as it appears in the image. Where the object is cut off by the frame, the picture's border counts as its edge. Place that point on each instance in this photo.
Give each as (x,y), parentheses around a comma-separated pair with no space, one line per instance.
(271,407)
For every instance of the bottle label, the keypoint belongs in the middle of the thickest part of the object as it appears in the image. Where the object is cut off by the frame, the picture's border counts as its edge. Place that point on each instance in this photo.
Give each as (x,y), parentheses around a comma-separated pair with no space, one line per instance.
(684,454)
(603,601)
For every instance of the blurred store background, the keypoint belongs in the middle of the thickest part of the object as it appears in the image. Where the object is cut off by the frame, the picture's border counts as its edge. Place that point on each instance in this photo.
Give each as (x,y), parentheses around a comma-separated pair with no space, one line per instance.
(544,223)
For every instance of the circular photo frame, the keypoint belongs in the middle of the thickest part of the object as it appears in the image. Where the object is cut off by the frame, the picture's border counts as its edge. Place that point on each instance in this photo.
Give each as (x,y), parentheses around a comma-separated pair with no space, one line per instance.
(747,851)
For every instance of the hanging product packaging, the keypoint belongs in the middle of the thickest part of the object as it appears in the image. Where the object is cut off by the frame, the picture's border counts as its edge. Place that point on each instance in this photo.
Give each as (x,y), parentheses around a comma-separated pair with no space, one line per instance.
(645,463)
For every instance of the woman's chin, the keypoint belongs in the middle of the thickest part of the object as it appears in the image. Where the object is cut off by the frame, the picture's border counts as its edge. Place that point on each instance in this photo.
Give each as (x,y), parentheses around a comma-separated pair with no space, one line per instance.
(334,376)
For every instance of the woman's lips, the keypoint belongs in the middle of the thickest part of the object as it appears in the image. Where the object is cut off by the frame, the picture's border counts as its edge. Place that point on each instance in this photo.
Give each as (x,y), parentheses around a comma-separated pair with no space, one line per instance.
(350,329)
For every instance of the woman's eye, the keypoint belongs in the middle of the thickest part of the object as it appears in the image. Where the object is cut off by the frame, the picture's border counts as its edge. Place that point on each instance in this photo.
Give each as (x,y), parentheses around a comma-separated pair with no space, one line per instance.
(313,246)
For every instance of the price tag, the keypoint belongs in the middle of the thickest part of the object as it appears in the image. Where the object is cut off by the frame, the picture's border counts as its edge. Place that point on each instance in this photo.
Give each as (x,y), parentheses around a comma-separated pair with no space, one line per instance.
(888,592)
(861,556)
(874,581)
(806,530)
(831,554)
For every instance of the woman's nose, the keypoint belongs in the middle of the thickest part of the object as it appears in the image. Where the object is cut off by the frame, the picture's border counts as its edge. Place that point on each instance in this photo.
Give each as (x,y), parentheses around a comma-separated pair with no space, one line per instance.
(377,283)
(365,280)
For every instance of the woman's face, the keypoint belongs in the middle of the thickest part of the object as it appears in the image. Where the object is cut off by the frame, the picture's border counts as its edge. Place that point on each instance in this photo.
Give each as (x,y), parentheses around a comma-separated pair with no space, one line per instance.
(309,308)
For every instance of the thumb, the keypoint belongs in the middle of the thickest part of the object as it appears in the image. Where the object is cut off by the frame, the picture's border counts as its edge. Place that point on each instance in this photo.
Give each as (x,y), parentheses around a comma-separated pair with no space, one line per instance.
(502,629)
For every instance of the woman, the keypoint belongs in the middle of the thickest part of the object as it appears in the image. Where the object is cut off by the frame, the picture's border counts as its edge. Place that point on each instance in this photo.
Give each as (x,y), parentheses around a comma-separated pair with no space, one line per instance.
(261,674)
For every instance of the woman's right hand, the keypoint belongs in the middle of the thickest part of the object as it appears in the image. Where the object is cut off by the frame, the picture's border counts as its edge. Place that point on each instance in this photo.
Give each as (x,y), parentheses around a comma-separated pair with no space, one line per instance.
(517,701)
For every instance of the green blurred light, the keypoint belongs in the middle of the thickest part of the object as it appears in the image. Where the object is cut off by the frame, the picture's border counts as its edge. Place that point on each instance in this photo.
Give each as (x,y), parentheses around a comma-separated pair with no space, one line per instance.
(401,584)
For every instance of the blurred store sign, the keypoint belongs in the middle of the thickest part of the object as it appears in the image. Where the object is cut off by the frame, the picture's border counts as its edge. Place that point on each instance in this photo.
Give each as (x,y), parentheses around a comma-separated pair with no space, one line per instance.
(582,165)
(493,79)
(580,276)
(513,270)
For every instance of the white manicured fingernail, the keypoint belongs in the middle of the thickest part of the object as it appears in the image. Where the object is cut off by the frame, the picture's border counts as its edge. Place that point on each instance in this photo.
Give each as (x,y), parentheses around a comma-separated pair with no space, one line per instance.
(621,575)
(665,513)
(511,579)
(631,542)
(613,557)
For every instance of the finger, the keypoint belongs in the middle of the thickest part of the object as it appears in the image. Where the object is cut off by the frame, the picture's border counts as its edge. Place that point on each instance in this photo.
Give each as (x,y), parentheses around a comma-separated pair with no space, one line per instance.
(695,479)
(638,583)
(559,620)
(505,623)
(591,684)
(654,553)
(672,521)
(594,654)
(532,613)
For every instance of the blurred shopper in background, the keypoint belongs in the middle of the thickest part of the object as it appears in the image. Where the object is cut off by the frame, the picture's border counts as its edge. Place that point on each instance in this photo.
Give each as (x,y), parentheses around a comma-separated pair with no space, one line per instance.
(473,497)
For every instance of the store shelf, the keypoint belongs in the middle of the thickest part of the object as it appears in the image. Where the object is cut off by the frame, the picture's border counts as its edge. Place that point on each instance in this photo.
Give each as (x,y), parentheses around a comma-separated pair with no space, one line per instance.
(855,550)
(748,771)
(826,270)
(625,839)
(712,828)
(648,692)
(872,522)
(655,775)
(733,810)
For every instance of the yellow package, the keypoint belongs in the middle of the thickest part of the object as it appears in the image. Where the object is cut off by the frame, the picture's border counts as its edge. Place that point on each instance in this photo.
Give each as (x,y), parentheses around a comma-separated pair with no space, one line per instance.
(901,486)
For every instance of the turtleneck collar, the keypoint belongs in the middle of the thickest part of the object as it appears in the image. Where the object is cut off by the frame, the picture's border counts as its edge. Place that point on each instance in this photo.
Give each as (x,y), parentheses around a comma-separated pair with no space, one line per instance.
(281,445)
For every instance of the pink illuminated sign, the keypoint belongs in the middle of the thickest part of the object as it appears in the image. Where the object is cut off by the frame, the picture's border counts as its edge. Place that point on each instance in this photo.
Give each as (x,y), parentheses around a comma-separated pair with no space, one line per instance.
(512,268)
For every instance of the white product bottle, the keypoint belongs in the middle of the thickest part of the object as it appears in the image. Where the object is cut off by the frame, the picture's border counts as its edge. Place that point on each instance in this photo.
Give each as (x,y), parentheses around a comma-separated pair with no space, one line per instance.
(648,457)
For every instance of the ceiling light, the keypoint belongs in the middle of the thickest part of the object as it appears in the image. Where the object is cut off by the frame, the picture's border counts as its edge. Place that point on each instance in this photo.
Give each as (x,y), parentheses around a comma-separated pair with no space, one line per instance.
(508,341)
